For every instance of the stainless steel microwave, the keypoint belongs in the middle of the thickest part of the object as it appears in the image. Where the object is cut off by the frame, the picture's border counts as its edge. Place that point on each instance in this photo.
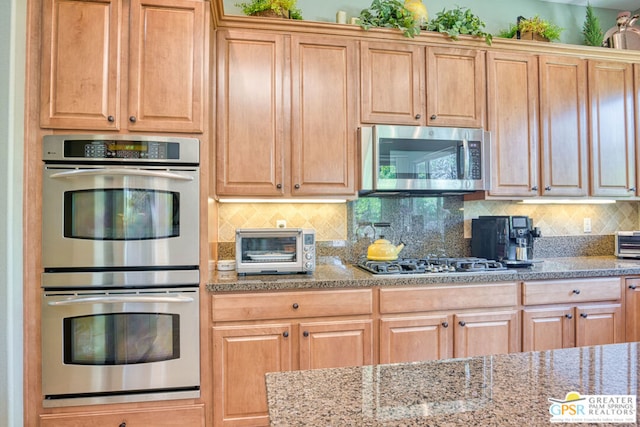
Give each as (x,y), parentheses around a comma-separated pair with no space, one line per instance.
(275,250)
(423,160)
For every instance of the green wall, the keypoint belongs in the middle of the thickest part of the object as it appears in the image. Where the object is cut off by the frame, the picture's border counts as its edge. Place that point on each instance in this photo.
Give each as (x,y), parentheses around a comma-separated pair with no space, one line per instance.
(497,14)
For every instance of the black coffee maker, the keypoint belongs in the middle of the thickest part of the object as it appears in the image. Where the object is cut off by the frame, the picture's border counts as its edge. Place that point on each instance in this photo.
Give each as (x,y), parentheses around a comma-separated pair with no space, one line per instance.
(508,239)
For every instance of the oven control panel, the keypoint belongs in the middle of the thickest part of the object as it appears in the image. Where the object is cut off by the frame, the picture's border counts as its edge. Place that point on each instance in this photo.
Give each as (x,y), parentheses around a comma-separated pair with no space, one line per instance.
(151,150)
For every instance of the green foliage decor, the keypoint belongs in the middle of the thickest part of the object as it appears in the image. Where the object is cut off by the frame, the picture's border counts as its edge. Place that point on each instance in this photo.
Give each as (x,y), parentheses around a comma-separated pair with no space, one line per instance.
(284,8)
(389,14)
(591,29)
(534,25)
(457,21)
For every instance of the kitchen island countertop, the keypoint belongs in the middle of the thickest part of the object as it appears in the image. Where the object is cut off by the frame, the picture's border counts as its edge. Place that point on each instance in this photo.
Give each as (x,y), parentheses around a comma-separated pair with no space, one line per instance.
(500,390)
(338,275)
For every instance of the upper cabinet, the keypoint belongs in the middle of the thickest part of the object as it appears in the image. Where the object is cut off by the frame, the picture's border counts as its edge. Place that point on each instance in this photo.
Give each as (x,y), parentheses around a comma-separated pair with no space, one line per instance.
(409,84)
(286,107)
(612,134)
(109,66)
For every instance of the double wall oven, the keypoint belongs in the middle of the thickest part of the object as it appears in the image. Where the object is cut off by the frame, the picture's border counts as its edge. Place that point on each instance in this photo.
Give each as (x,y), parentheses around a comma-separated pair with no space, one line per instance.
(120,287)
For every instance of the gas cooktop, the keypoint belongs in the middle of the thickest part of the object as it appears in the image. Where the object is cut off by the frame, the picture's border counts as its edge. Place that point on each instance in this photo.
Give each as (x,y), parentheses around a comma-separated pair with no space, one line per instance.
(431,265)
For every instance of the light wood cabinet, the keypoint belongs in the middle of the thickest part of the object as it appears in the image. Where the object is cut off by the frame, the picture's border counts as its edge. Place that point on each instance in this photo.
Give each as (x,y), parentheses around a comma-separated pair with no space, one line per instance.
(256,333)
(112,65)
(512,110)
(450,321)
(632,310)
(187,416)
(286,122)
(568,313)
(394,78)
(612,133)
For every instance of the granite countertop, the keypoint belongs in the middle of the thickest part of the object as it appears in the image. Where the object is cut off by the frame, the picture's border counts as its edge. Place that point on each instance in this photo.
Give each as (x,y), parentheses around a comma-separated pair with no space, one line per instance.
(338,275)
(500,390)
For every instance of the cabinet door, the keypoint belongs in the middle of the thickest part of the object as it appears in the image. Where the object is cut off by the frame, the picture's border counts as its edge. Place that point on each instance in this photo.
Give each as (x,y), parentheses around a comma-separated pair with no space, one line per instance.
(80,86)
(392,83)
(166,65)
(250,124)
(599,324)
(632,310)
(612,137)
(324,93)
(512,100)
(242,355)
(547,328)
(563,126)
(456,87)
(187,416)
(480,334)
(336,344)
(413,339)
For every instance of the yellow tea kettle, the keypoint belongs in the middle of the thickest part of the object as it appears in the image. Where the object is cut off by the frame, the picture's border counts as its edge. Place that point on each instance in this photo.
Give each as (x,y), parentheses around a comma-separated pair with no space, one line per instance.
(383,250)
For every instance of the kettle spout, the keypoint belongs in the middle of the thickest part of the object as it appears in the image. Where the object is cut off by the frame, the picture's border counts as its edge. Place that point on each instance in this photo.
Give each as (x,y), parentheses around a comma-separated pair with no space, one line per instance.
(399,247)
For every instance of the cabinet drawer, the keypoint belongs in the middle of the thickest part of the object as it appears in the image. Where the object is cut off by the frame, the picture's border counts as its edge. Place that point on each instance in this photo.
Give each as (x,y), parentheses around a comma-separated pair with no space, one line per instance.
(407,300)
(571,291)
(285,305)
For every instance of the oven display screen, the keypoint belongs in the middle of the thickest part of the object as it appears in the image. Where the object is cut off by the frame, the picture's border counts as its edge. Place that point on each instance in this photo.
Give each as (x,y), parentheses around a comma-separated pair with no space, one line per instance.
(121,338)
(121,214)
(108,149)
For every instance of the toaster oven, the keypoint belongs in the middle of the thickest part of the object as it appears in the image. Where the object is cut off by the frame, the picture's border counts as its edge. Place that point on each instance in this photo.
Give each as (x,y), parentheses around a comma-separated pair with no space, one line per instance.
(275,251)
(627,244)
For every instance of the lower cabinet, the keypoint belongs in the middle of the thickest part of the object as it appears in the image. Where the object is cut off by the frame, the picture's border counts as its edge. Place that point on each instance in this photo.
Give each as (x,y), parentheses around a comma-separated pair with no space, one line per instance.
(257,333)
(448,321)
(575,313)
(184,416)
(632,309)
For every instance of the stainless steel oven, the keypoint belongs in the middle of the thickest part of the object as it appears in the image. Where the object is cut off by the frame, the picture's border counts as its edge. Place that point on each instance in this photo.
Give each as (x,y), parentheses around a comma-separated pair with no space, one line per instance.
(120,201)
(120,297)
(119,345)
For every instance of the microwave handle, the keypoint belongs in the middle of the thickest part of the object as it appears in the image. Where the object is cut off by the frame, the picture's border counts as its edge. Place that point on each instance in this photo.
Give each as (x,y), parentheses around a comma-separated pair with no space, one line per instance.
(125,172)
(121,300)
(466,160)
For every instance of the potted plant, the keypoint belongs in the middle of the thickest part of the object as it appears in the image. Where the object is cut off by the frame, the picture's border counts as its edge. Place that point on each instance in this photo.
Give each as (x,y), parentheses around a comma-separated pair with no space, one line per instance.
(389,14)
(271,8)
(591,29)
(457,21)
(534,28)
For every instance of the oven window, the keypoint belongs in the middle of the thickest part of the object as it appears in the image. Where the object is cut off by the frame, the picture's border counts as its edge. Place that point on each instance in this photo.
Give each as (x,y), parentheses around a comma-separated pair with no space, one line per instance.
(269,249)
(121,338)
(121,214)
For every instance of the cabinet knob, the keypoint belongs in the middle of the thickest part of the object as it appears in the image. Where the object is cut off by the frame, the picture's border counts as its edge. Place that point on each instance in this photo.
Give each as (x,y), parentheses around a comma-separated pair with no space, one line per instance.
(305,333)
(462,323)
(547,188)
(278,186)
(418,116)
(132,119)
(111,119)
(569,316)
(584,315)
(297,186)
(633,287)
(632,189)
(285,334)
(295,306)
(576,291)
(433,117)
(445,324)
(534,188)
(123,424)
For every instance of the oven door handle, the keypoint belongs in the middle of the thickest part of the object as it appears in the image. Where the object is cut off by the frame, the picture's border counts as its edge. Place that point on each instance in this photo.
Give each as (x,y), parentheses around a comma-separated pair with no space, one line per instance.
(124,172)
(122,300)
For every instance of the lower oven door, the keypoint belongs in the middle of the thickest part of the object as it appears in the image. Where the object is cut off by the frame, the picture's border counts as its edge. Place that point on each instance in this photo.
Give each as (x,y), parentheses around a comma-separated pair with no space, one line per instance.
(130,343)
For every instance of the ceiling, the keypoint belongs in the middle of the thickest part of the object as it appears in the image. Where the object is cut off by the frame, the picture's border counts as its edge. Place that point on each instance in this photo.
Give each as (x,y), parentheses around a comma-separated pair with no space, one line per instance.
(631,5)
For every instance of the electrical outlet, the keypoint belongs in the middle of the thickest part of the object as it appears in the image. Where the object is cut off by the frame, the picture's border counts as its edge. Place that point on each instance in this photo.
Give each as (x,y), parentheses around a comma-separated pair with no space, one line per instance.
(586,225)
(281,223)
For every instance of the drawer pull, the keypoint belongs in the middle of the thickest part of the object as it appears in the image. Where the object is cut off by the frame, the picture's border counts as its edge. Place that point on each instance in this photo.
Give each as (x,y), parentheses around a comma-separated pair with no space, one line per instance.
(633,287)
(584,315)
(462,323)
(123,424)
(418,116)
(295,306)
(305,333)
(285,334)
(569,316)
(576,291)
(445,324)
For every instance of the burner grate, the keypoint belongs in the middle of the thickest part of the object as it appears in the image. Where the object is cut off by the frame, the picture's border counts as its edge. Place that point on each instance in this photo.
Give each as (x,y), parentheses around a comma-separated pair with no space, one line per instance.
(431,265)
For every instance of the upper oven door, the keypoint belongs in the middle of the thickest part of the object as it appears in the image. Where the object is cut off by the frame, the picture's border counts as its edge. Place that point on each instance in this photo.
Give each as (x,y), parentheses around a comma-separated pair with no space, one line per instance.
(120,216)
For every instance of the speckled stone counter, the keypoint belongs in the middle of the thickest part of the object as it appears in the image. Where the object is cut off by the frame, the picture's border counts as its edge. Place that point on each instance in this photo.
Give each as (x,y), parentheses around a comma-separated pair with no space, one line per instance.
(348,276)
(501,390)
